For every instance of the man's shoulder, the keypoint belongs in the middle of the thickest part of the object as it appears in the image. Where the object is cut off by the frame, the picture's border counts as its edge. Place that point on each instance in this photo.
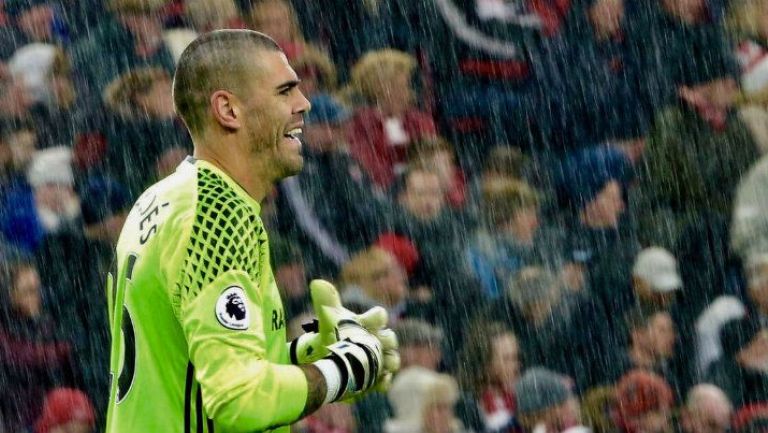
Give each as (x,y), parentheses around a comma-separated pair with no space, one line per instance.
(221,204)
(165,208)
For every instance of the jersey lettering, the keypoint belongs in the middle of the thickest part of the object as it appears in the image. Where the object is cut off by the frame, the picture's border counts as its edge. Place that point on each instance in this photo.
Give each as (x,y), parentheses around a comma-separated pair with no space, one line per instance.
(278,320)
(149,221)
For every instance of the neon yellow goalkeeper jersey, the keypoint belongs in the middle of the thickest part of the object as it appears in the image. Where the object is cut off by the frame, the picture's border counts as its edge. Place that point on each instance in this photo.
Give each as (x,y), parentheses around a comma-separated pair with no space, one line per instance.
(198,334)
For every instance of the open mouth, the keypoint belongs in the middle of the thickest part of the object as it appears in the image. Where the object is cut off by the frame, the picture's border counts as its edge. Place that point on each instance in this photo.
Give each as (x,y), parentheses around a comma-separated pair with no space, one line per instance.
(293,134)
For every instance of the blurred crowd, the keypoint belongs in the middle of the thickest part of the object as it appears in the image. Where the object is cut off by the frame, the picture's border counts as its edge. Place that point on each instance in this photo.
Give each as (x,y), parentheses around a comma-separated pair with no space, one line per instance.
(562,203)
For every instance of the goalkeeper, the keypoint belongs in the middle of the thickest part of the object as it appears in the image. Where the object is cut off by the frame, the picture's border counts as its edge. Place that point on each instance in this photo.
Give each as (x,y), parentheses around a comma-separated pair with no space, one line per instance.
(198,327)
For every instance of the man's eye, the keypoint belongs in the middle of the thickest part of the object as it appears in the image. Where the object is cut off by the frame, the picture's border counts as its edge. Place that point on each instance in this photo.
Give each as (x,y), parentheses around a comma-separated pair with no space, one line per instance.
(286,92)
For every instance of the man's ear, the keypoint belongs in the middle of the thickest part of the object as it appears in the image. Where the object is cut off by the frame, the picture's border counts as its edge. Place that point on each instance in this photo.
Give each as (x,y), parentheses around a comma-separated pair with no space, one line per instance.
(225,109)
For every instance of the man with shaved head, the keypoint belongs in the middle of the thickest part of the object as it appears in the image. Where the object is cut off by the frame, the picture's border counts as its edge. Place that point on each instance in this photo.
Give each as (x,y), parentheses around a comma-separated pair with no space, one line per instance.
(707,410)
(198,326)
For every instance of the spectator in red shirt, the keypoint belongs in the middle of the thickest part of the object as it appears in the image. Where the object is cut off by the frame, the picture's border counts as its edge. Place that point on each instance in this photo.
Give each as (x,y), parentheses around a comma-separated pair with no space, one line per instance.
(389,121)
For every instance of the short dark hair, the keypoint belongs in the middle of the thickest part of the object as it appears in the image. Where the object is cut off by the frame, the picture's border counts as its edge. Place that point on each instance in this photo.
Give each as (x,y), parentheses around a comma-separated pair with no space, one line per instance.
(213,61)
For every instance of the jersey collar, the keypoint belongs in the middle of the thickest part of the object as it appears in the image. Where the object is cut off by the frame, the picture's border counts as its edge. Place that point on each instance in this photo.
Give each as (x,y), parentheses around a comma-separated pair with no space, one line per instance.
(227,178)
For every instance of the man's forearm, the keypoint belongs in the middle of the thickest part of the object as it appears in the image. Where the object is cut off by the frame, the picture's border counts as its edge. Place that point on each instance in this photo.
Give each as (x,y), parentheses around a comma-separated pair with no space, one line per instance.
(316,388)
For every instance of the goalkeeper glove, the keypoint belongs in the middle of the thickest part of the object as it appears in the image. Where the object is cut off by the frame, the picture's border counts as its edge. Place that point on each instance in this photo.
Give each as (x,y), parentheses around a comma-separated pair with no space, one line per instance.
(353,364)
(337,326)
(313,344)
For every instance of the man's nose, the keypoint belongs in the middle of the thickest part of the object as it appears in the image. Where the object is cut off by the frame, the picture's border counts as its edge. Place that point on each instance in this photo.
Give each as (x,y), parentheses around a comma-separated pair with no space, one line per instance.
(303,105)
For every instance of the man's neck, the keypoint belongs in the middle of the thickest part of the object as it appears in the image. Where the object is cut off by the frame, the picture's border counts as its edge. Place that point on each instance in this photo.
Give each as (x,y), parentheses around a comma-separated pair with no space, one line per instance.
(245,171)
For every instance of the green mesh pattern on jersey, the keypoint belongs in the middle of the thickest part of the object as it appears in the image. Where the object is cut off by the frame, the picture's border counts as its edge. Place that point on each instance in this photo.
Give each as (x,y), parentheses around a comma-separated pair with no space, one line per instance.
(226,235)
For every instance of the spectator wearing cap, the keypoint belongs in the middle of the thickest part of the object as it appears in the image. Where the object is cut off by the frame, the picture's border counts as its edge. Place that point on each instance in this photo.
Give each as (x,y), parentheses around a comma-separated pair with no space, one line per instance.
(645,403)
(592,185)
(490,365)
(742,371)
(389,120)
(545,317)
(423,402)
(420,343)
(650,346)
(50,174)
(545,402)
(330,208)
(103,211)
(45,71)
(74,263)
(66,410)
(402,249)
(707,410)
(655,278)
(45,203)
(34,354)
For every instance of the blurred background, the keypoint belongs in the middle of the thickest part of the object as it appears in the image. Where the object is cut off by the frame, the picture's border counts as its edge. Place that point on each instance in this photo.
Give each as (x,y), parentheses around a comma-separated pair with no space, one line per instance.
(562,203)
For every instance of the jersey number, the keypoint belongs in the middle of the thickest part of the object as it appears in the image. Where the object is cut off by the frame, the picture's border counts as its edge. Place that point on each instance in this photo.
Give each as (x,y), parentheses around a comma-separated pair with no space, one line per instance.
(129,357)
(122,322)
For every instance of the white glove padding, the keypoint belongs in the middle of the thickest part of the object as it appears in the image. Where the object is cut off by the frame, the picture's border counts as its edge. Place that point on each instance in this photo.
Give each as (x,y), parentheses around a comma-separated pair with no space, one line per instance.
(332,317)
(358,358)
(312,345)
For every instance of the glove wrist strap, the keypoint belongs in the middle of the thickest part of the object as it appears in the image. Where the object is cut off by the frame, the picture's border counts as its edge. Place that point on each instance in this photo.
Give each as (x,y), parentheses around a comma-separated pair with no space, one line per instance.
(298,347)
(334,382)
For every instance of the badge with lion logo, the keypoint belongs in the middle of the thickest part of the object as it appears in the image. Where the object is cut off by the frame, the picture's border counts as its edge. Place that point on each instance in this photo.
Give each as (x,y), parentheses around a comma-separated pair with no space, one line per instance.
(232,309)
